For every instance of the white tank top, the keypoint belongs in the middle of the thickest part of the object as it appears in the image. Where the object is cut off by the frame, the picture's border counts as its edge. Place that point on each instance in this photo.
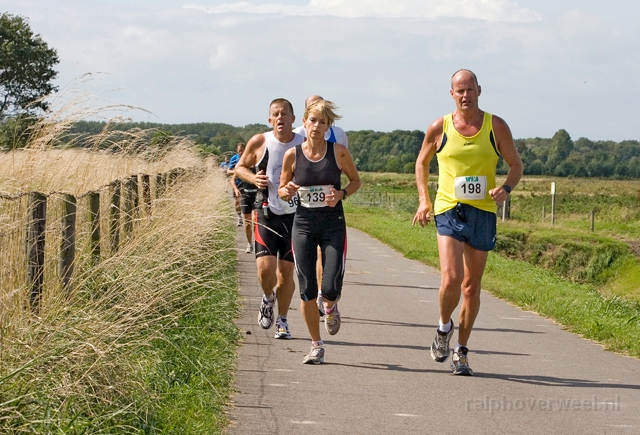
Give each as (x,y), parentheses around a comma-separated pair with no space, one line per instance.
(271,164)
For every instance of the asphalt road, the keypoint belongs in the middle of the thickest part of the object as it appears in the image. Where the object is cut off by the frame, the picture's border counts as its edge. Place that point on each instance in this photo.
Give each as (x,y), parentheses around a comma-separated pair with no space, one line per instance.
(532,377)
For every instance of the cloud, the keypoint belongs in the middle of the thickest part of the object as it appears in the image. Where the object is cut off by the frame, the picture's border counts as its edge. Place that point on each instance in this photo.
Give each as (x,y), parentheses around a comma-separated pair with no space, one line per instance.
(486,10)
(386,63)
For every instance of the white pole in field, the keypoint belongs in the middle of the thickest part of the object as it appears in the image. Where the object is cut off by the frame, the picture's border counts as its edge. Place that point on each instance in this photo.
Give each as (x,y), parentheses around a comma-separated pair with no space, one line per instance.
(553,202)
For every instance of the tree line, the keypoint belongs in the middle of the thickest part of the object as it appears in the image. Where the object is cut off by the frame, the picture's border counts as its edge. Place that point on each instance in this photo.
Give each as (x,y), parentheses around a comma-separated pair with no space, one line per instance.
(211,137)
(396,151)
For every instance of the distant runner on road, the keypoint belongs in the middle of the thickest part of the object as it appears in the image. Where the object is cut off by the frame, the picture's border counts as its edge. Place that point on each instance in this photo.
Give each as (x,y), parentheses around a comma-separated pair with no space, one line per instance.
(245,195)
(467,144)
(235,181)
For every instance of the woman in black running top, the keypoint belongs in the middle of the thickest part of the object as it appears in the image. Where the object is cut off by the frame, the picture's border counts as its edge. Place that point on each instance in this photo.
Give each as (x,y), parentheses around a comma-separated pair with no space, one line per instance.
(312,171)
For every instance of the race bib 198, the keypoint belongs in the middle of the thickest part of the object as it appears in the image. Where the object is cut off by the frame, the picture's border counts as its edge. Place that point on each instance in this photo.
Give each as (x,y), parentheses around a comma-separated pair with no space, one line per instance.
(472,187)
(314,196)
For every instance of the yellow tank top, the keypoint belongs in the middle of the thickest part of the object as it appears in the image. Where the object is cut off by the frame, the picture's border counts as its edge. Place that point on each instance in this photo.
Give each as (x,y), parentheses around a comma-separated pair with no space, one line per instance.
(466,167)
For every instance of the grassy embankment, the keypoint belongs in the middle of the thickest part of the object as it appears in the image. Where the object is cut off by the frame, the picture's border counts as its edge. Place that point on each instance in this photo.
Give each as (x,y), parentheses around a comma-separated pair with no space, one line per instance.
(588,282)
(145,341)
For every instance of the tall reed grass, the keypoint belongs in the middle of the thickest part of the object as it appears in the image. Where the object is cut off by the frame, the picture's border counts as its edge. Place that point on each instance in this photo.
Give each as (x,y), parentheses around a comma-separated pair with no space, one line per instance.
(91,360)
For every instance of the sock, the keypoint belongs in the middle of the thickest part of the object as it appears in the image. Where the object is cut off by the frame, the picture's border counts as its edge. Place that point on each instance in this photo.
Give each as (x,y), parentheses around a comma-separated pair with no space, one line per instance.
(283,318)
(445,328)
(271,298)
(317,343)
(458,346)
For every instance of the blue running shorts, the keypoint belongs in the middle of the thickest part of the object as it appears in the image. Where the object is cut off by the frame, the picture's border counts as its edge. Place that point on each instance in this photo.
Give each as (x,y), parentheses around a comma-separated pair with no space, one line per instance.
(470,225)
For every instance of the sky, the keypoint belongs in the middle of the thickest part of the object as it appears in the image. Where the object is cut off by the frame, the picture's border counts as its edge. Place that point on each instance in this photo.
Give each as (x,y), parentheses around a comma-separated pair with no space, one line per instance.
(543,65)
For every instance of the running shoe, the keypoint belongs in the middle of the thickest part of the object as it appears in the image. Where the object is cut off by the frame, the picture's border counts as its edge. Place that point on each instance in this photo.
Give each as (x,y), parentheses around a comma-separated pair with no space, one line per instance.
(282,329)
(440,346)
(240,222)
(315,356)
(332,320)
(320,303)
(249,249)
(265,317)
(460,362)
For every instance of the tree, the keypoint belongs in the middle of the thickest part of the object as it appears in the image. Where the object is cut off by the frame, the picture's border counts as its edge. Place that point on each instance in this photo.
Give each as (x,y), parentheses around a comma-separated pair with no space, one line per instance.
(26,68)
(561,146)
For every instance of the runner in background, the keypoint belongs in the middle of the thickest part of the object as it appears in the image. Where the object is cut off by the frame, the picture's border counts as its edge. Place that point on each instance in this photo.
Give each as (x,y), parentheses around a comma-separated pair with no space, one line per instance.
(234,181)
(273,217)
(245,194)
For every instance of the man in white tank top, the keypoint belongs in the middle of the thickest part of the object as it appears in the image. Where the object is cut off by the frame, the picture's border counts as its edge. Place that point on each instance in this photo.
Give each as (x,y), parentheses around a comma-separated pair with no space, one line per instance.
(273,216)
(334,134)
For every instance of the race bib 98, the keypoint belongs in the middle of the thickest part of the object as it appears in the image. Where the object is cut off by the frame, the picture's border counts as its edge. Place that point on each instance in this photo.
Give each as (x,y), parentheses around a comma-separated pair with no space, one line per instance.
(289,206)
(314,196)
(472,187)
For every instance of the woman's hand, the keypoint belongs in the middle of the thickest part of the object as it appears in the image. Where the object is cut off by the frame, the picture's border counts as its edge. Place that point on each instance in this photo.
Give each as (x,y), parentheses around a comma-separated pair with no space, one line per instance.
(333,197)
(287,191)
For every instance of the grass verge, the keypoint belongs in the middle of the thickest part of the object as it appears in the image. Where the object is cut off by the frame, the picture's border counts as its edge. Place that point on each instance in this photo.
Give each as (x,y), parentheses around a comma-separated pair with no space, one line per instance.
(145,343)
(580,308)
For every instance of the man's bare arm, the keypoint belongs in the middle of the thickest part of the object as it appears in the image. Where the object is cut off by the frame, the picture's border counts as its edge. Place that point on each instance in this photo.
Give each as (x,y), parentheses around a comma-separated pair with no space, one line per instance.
(430,145)
(510,154)
(252,153)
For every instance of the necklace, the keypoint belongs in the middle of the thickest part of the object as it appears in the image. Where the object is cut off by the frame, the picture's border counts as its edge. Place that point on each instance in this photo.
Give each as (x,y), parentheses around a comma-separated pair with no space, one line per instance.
(461,119)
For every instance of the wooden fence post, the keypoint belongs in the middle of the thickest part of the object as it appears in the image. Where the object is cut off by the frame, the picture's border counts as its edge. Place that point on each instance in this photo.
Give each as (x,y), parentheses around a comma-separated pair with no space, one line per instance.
(506,208)
(160,185)
(135,197)
(94,218)
(114,216)
(35,247)
(174,174)
(129,207)
(68,245)
(146,193)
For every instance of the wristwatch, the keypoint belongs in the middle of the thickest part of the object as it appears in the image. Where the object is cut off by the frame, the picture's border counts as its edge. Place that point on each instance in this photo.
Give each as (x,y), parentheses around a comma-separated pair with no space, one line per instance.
(507,188)
(344,192)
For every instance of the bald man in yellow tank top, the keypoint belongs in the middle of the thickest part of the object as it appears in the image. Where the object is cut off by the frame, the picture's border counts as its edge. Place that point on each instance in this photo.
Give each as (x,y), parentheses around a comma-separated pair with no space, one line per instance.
(467,144)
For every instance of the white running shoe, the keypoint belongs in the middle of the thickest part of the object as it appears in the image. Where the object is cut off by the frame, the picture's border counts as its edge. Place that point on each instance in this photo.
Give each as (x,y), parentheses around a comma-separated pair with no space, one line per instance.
(265,317)
(440,345)
(249,249)
(282,329)
(460,362)
(315,356)
(332,320)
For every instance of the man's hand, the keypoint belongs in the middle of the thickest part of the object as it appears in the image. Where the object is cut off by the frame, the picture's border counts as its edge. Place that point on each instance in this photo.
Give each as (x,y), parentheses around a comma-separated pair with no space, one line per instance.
(261,180)
(499,194)
(423,215)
